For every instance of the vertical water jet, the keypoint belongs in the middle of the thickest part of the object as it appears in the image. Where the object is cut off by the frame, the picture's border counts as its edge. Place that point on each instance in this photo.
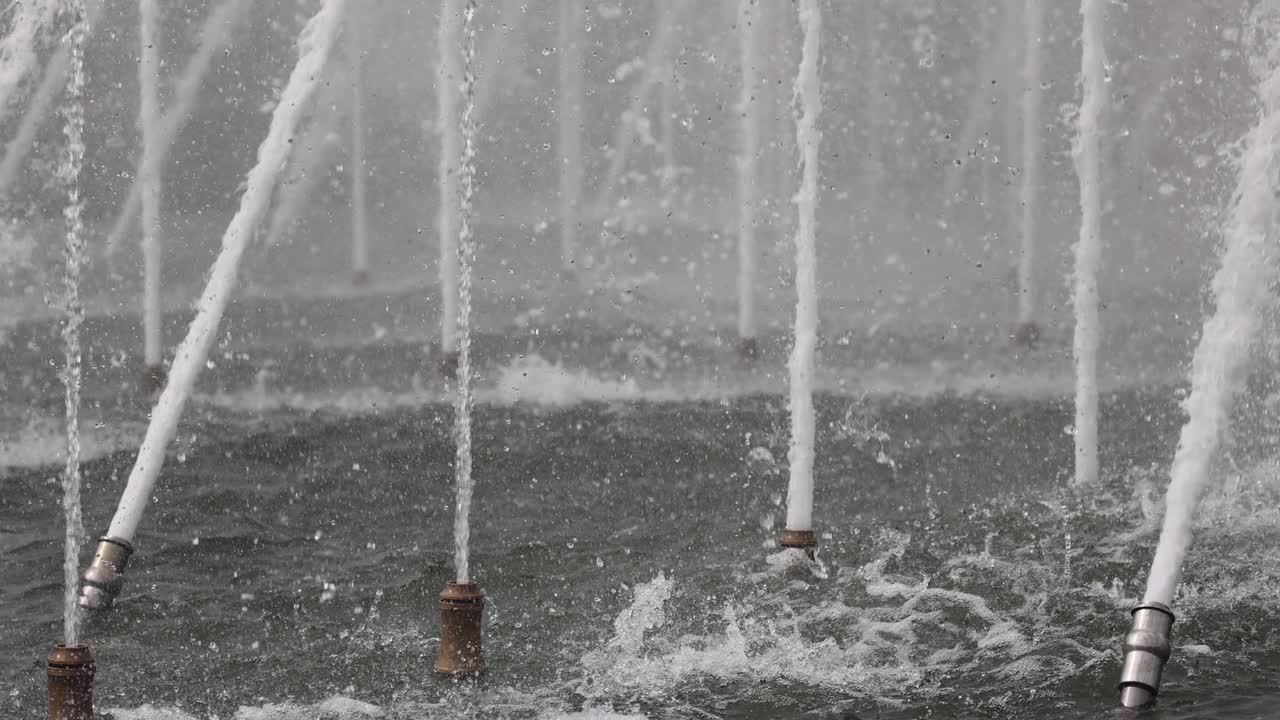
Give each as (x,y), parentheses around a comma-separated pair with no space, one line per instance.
(448,79)
(1028,330)
(749,32)
(461,601)
(215,34)
(314,46)
(149,185)
(359,203)
(1089,247)
(799,530)
(69,667)
(569,121)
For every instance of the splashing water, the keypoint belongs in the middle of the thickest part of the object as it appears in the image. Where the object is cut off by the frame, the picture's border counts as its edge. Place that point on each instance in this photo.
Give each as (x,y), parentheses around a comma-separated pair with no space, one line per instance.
(466,258)
(803,423)
(1089,246)
(1240,292)
(314,45)
(73,112)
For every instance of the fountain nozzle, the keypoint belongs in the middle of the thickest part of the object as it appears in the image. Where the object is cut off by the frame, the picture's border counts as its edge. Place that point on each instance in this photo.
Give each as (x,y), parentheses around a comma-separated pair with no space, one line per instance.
(153,379)
(105,575)
(804,540)
(1146,650)
(461,615)
(748,349)
(70,672)
(449,364)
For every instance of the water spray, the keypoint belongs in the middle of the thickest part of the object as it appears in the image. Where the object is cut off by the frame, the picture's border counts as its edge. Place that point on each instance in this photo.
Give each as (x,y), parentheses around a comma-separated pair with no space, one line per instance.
(314,45)
(1027,333)
(799,529)
(356,44)
(70,672)
(1146,650)
(569,96)
(149,172)
(461,602)
(750,30)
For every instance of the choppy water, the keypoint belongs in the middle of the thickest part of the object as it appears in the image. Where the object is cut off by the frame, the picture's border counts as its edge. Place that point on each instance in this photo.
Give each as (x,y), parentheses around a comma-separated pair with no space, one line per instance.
(630,482)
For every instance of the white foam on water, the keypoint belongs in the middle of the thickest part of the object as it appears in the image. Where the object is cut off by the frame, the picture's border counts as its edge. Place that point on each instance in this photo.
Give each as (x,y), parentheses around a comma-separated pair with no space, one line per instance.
(149,712)
(534,380)
(43,443)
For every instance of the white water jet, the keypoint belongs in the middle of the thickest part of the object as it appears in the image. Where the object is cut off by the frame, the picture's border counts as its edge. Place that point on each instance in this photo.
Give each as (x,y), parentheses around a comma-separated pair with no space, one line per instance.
(569,53)
(749,31)
(448,80)
(215,34)
(1032,98)
(314,46)
(1240,292)
(808,138)
(38,105)
(466,257)
(667,97)
(73,112)
(356,41)
(149,170)
(319,140)
(31,18)
(1089,247)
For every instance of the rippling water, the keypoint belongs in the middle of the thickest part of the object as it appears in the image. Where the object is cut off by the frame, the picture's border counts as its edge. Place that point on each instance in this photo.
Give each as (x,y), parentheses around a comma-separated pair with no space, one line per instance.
(630,475)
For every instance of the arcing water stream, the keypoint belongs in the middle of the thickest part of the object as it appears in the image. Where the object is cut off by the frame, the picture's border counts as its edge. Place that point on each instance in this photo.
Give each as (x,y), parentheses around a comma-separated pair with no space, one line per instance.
(1240,291)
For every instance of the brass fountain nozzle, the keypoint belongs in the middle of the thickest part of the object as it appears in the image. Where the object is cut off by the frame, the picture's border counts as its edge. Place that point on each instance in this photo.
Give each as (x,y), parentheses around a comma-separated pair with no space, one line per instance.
(70,671)
(461,616)
(801,539)
(105,575)
(1146,650)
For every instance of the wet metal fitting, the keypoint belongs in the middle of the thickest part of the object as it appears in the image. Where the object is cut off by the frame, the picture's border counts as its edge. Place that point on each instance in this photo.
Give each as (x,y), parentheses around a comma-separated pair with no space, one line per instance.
(1146,649)
(461,615)
(803,539)
(748,348)
(449,364)
(153,379)
(70,672)
(105,575)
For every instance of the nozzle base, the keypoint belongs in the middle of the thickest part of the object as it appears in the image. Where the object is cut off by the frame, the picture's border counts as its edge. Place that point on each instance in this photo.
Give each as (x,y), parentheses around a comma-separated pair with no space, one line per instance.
(802,539)
(461,617)
(70,676)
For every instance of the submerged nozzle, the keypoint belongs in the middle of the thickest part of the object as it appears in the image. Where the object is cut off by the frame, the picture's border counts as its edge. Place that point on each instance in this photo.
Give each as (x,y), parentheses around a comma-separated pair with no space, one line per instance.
(153,379)
(449,364)
(105,575)
(70,672)
(1146,650)
(461,616)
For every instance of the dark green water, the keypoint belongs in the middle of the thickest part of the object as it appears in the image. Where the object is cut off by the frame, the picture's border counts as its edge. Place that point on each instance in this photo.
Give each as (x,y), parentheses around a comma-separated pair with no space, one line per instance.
(289,562)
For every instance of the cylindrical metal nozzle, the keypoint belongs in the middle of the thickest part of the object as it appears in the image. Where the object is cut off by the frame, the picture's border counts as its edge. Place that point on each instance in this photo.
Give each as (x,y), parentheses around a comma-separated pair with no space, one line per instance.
(1146,649)
(449,364)
(70,671)
(748,348)
(105,575)
(802,539)
(461,616)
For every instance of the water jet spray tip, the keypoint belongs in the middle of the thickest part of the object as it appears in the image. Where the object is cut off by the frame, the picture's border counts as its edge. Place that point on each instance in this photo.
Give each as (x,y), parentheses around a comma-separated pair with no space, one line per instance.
(461,617)
(1146,650)
(104,577)
(70,672)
